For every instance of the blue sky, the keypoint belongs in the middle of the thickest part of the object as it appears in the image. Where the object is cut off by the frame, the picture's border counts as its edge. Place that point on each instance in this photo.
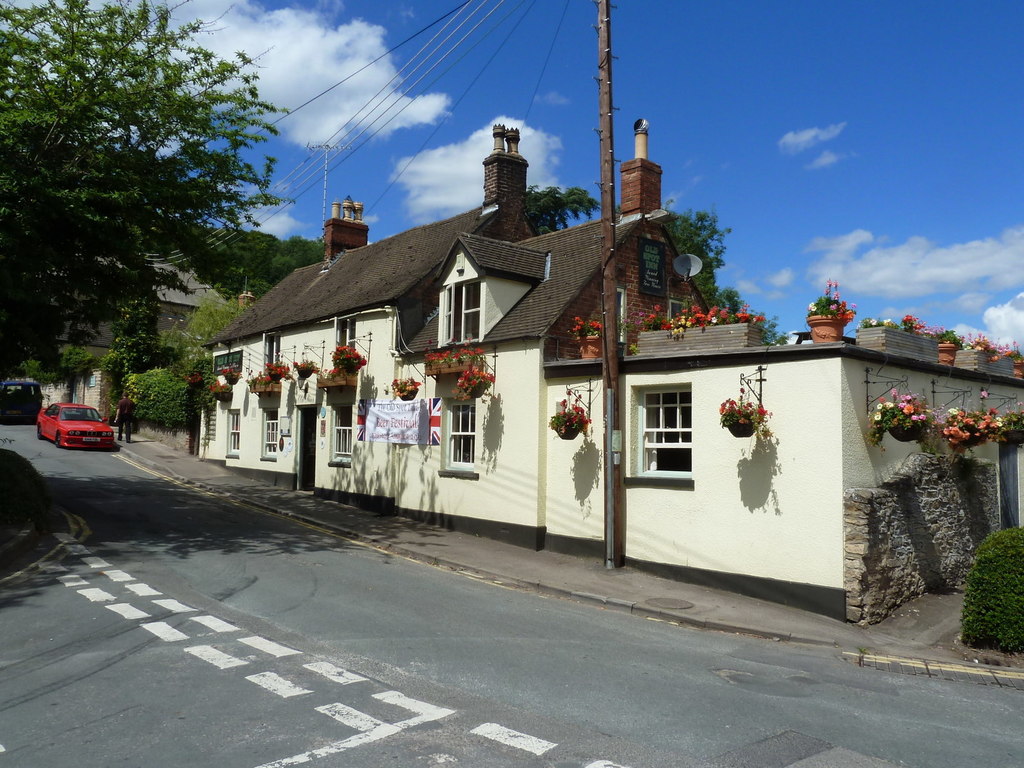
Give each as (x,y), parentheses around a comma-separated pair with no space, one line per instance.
(877,144)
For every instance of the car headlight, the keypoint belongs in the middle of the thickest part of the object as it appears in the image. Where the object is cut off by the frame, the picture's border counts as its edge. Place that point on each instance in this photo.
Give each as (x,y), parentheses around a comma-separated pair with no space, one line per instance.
(75,432)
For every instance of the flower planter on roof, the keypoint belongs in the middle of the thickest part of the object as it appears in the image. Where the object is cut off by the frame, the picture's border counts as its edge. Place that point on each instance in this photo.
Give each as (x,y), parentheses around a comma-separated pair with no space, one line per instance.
(893,341)
(712,338)
(979,360)
(825,329)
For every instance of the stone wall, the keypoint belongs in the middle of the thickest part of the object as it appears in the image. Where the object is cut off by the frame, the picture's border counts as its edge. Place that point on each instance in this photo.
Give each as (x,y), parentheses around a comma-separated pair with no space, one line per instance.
(178,438)
(917,533)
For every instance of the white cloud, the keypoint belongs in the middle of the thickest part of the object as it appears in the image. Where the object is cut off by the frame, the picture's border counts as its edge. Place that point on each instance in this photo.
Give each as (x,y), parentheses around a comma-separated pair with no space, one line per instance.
(554,98)
(918,267)
(300,53)
(281,224)
(1005,322)
(797,141)
(447,180)
(824,160)
(781,279)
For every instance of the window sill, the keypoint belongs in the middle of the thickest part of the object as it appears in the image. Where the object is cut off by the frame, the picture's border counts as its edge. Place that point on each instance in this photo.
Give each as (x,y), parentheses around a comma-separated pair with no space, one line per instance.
(268,458)
(655,481)
(231,456)
(343,463)
(462,474)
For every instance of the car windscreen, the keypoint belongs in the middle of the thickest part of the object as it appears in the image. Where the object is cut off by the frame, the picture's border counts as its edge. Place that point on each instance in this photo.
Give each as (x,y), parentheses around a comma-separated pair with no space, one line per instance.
(80,414)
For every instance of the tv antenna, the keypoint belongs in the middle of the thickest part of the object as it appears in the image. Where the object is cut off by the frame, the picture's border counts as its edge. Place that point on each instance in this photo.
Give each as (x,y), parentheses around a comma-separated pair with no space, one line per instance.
(326,148)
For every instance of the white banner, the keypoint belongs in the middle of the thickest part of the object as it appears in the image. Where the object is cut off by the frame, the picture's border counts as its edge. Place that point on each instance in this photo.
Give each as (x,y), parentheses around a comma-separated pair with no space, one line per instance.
(397,421)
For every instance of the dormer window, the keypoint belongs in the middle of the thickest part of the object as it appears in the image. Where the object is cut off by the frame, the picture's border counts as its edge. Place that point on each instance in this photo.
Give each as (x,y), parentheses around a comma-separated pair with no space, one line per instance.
(462,312)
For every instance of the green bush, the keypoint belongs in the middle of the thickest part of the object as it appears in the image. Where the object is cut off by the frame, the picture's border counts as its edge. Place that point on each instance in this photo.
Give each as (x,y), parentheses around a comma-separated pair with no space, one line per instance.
(161,396)
(26,497)
(993,614)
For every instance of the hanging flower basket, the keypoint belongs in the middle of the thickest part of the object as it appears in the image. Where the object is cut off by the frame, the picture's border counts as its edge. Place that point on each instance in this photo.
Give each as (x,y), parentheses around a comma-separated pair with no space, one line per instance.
(194,380)
(405,389)
(908,433)
(744,418)
(473,383)
(305,368)
(223,397)
(1014,436)
(347,360)
(741,429)
(276,371)
(231,375)
(569,420)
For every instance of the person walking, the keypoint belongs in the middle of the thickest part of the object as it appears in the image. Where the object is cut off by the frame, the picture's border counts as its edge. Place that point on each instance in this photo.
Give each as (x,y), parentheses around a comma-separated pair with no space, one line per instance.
(125,413)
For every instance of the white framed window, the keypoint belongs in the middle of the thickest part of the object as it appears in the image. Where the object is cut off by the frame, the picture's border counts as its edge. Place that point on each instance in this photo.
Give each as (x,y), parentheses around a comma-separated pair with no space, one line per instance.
(271,433)
(462,435)
(271,347)
(344,332)
(234,432)
(462,312)
(675,306)
(667,442)
(341,449)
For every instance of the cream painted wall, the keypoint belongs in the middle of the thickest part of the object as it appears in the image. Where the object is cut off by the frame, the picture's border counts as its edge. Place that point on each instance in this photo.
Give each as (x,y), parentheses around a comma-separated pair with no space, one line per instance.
(499,297)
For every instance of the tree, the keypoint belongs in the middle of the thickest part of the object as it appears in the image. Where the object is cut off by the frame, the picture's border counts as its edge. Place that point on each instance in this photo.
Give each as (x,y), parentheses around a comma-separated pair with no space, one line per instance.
(259,261)
(698,232)
(552,209)
(122,143)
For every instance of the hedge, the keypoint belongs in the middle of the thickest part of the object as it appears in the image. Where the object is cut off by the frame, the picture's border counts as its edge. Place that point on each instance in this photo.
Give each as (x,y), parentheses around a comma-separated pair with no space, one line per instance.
(993,613)
(26,497)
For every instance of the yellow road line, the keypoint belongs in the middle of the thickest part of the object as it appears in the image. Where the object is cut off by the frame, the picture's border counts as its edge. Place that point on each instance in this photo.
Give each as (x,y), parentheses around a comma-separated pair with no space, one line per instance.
(937,666)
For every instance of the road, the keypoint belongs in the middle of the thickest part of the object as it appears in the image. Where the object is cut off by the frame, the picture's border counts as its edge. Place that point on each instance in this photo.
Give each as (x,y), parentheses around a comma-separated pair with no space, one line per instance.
(176,628)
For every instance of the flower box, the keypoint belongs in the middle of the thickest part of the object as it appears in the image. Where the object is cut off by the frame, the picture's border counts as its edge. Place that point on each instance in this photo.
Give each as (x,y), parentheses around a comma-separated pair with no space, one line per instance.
(702,339)
(440,369)
(978,360)
(269,388)
(893,341)
(344,380)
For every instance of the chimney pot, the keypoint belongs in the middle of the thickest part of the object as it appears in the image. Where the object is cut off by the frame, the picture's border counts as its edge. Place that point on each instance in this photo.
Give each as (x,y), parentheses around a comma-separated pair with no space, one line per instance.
(640,138)
(512,138)
(357,209)
(498,132)
(336,210)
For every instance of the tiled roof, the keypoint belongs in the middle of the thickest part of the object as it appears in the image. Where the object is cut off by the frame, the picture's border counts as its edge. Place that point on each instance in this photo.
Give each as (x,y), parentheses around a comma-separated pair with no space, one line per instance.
(575,260)
(371,276)
(504,259)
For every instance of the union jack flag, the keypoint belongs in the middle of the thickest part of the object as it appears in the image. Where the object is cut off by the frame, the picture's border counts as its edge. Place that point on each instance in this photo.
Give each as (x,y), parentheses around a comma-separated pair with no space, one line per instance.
(435,421)
(361,421)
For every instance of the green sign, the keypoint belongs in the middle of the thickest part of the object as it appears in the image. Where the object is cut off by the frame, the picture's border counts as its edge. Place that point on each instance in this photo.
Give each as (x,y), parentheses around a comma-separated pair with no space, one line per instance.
(228,359)
(652,267)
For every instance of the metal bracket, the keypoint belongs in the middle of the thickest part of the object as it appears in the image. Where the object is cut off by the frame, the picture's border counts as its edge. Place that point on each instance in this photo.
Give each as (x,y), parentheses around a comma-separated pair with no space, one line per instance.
(958,396)
(755,379)
(901,385)
(574,393)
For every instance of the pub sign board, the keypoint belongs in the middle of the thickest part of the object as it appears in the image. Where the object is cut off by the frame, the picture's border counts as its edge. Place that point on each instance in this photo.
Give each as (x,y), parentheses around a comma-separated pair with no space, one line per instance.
(652,267)
(233,359)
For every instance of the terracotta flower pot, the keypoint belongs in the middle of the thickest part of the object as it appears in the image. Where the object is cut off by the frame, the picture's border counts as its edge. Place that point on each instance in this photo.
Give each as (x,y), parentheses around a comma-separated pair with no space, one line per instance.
(590,347)
(825,330)
(947,353)
(741,428)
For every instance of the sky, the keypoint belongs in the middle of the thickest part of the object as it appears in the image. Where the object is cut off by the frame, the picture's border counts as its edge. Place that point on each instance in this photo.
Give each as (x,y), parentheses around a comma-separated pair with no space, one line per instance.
(876,144)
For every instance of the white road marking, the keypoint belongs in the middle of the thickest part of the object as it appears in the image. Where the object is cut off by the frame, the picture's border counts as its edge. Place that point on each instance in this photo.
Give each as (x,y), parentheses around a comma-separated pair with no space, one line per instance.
(268,646)
(333,673)
(78,549)
(370,728)
(217,625)
(425,713)
(53,568)
(95,562)
(2,748)
(116,575)
(164,631)
(72,581)
(142,590)
(128,611)
(65,537)
(174,606)
(277,684)
(219,659)
(510,738)
(604,764)
(96,595)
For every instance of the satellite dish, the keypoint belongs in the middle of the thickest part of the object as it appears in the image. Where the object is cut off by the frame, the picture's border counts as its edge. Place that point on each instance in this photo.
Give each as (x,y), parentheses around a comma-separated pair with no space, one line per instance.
(687,265)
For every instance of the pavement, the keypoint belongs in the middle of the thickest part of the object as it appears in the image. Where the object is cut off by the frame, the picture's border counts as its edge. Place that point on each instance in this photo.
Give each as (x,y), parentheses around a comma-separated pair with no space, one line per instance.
(921,638)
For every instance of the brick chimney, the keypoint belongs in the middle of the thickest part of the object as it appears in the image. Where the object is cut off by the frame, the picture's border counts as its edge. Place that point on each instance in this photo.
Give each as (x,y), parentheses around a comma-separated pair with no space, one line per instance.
(245,298)
(344,230)
(641,179)
(505,186)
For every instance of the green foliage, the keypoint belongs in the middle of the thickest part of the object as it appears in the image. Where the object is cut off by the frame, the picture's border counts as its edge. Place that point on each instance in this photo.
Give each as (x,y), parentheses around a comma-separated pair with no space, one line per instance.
(136,344)
(993,613)
(161,396)
(258,261)
(551,209)
(26,497)
(698,232)
(120,141)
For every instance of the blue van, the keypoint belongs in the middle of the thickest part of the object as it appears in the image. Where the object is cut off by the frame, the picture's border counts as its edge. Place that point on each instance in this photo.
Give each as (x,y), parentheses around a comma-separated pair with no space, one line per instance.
(20,401)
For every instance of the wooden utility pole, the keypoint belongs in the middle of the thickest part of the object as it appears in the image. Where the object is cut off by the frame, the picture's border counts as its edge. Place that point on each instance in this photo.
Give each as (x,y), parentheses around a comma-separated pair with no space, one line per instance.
(614,519)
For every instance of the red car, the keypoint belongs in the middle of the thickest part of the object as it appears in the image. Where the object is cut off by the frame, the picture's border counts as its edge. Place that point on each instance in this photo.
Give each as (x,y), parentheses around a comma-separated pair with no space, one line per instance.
(73,425)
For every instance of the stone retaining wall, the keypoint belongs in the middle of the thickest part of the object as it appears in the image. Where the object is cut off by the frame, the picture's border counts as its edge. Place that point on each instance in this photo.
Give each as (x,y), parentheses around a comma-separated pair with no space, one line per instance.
(917,533)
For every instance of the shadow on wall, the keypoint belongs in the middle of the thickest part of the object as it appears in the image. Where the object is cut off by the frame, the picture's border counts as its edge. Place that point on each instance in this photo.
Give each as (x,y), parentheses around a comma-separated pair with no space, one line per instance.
(586,474)
(757,471)
(493,431)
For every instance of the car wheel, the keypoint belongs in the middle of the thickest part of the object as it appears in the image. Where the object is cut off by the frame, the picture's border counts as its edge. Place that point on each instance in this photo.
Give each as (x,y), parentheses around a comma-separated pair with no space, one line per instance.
(39,432)
(56,440)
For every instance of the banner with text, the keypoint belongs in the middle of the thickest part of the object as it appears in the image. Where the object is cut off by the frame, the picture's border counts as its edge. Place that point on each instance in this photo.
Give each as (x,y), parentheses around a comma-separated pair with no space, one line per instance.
(413,422)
